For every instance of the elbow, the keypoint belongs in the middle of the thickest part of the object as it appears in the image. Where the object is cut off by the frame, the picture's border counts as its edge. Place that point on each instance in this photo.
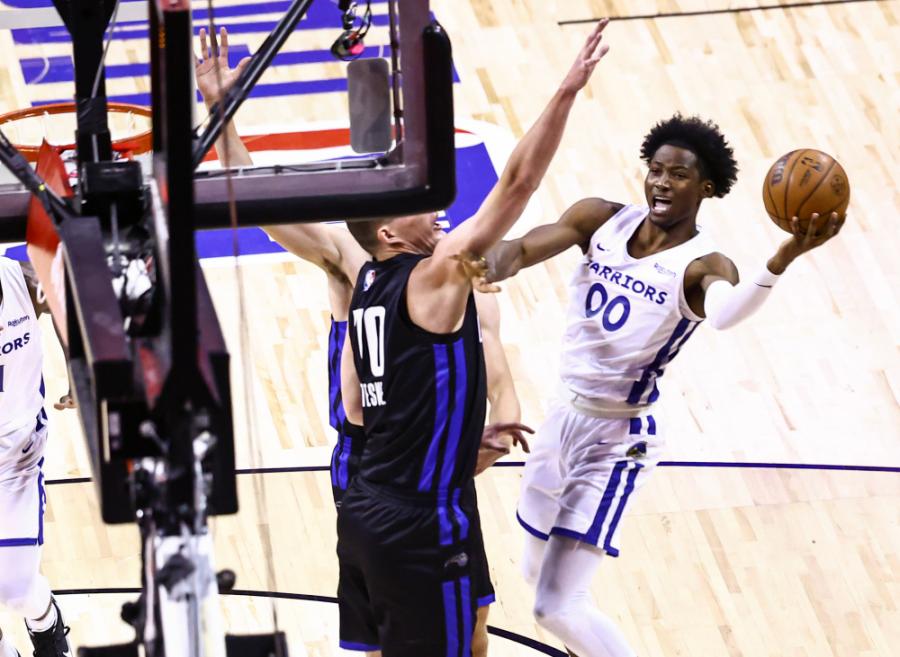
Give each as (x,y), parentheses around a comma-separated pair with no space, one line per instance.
(722,321)
(716,323)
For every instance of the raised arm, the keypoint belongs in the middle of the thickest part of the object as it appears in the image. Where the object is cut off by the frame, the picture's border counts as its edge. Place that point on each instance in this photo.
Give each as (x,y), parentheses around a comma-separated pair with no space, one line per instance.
(329,247)
(439,286)
(529,160)
(574,228)
(210,69)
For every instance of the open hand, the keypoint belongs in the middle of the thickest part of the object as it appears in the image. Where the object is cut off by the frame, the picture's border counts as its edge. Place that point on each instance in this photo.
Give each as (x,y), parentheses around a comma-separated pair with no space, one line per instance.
(495,442)
(476,268)
(589,56)
(212,69)
(819,230)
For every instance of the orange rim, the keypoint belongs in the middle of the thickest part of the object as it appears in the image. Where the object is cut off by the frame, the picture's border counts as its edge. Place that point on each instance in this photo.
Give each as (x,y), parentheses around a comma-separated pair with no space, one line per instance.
(131,145)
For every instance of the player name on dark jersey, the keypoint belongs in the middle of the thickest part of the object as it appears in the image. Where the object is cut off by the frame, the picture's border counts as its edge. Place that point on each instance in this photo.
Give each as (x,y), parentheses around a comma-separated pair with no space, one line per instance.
(424,394)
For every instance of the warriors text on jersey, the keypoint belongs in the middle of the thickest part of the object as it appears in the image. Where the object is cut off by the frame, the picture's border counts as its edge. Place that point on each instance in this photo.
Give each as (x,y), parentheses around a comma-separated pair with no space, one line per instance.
(627,317)
(21,385)
(424,395)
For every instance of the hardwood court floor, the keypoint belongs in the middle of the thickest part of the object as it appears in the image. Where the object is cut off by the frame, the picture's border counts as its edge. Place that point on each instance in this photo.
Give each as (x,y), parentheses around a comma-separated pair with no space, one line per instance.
(716,561)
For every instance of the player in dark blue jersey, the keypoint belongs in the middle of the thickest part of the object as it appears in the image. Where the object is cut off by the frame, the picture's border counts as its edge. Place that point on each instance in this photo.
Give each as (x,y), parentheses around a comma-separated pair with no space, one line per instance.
(335,251)
(413,374)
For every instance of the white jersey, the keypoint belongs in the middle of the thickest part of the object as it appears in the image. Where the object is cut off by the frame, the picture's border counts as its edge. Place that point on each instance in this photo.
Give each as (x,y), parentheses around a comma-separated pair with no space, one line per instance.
(21,356)
(627,317)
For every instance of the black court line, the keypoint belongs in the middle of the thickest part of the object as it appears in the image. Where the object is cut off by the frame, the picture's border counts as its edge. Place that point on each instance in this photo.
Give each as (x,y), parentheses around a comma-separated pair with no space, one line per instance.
(541,648)
(711,12)
(519,464)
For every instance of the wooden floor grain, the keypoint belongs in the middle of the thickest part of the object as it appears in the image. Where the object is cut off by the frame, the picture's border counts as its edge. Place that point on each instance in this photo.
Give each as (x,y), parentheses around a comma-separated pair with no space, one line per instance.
(716,561)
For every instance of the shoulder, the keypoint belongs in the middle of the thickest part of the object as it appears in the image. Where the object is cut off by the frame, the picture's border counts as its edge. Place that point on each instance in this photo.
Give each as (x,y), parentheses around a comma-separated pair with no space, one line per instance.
(590,213)
(586,216)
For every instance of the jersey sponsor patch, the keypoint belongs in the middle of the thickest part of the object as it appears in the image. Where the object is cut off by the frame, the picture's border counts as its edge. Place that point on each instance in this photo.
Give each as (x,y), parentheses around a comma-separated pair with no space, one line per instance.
(662,270)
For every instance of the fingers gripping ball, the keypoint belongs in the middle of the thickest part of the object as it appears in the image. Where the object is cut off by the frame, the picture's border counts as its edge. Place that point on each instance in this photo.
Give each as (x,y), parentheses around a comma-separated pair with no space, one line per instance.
(804,182)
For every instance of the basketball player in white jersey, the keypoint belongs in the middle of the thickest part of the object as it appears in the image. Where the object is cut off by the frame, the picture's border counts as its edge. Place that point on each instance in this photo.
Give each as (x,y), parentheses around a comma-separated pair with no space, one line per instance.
(23,434)
(647,280)
(334,250)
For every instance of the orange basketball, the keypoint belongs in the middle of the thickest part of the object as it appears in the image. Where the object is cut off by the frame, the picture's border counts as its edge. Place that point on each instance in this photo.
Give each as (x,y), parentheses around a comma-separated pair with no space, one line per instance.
(803,182)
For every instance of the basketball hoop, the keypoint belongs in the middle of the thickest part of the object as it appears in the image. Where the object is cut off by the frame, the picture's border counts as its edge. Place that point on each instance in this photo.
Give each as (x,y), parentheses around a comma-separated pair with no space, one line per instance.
(129,125)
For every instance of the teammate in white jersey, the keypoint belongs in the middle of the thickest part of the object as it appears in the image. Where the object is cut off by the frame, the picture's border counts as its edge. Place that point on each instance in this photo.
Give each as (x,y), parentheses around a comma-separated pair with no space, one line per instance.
(23,434)
(647,280)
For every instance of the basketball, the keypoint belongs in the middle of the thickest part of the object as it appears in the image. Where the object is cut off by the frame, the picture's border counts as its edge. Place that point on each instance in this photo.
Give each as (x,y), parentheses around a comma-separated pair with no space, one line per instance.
(804,182)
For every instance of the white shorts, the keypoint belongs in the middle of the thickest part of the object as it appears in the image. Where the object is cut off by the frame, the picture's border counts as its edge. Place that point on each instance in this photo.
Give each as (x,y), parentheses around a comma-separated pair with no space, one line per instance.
(22,496)
(581,473)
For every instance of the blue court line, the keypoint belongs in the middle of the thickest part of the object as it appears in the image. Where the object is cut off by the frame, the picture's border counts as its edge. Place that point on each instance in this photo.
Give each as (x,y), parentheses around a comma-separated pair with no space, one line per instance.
(746,464)
(519,464)
(61,70)
(38,70)
(280,6)
(39,35)
(266,90)
(779,466)
(321,15)
(534,644)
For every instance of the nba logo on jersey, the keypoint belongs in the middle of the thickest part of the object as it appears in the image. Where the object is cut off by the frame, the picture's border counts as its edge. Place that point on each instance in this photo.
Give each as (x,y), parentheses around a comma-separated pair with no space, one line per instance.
(370,278)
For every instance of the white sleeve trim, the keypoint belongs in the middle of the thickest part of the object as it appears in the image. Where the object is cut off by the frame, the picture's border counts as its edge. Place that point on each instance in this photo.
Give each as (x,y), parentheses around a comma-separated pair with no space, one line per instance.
(726,305)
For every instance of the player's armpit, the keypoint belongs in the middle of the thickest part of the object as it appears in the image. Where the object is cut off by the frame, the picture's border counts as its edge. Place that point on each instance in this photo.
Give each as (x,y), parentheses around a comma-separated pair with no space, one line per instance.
(329,247)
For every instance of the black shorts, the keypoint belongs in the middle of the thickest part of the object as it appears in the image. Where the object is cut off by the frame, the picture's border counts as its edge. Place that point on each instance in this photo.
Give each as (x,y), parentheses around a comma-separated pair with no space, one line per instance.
(412,573)
(345,459)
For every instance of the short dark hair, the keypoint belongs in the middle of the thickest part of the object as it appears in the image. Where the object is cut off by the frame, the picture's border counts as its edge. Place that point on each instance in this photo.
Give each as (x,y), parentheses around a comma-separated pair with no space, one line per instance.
(704,139)
(365,231)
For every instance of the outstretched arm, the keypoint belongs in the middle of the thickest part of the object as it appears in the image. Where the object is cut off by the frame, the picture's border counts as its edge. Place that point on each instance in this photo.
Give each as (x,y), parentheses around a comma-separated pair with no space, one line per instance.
(712,286)
(438,287)
(211,69)
(329,247)
(529,160)
(574,228)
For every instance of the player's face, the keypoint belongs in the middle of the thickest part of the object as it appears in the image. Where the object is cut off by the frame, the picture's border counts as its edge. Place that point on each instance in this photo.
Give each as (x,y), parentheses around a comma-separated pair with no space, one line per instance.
(420,231)
(674,185)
